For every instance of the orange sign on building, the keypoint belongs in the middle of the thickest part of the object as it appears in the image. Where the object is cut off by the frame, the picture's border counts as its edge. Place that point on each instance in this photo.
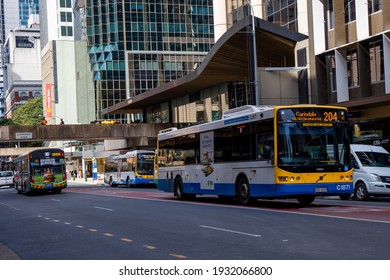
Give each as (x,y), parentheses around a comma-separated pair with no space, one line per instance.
(49,109)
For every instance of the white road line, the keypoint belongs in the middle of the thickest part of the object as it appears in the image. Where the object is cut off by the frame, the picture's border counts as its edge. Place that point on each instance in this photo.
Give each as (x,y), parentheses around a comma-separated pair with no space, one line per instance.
(55,200)
(102,208)
(232,231)
(9,206)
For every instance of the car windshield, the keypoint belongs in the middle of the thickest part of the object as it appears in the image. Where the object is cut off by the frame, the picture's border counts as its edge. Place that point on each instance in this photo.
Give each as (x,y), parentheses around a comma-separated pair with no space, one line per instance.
(374,159)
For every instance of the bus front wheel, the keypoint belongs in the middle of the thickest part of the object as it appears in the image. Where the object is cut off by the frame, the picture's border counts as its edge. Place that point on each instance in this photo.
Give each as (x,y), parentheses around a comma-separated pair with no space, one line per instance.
(179,191)
(305,200)
(243,192)
(111,184)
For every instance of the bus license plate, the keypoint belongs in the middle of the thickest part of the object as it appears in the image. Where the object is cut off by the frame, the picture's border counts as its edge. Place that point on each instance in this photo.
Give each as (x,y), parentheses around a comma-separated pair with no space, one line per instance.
(321,190)
(49,186)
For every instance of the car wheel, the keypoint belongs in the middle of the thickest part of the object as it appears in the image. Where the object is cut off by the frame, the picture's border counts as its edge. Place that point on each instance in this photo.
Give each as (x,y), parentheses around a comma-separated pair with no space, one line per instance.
(361,192)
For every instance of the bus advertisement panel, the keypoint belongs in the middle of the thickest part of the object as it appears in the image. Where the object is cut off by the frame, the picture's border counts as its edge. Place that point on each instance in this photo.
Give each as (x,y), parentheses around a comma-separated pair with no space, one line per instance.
(259,152)
(130,169)
(40,170)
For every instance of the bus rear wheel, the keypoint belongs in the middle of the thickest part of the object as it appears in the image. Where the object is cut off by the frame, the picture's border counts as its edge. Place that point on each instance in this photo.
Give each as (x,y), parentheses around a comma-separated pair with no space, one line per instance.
(243,192)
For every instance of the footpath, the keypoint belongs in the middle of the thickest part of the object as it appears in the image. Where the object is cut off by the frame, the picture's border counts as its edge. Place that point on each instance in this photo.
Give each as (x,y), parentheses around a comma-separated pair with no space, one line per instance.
(89,181)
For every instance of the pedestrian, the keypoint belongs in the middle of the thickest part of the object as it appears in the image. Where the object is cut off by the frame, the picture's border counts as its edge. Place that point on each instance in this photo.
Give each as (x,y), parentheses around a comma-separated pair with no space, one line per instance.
(43,121)
(62,121)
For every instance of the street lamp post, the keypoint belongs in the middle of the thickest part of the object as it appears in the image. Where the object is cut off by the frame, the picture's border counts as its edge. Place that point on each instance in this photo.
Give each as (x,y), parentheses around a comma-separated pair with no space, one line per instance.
(253,64)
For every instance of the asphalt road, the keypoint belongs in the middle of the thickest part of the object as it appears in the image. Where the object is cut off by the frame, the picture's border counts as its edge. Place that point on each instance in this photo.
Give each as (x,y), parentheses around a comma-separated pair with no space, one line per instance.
(88,222)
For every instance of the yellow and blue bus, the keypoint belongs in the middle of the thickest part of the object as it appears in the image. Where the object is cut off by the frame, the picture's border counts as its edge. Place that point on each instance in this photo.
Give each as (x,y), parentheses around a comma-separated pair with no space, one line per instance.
(40,170)
(299,151)
(130,169)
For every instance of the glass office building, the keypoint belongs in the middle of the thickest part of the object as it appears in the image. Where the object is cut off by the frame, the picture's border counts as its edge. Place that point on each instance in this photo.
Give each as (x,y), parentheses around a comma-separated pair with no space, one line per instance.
(137,45)
(27,8)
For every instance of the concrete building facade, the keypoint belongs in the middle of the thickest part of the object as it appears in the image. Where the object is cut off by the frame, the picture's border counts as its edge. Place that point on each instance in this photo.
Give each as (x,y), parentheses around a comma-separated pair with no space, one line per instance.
(22,67)
(57,55)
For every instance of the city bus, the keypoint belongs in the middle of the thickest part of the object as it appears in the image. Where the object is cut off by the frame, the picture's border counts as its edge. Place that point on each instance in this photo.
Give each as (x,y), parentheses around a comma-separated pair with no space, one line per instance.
(299,151)
(131,169)
(40,170)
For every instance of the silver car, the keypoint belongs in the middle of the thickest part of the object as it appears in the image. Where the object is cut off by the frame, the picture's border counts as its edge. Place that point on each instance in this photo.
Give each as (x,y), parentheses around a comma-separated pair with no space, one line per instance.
(6,178)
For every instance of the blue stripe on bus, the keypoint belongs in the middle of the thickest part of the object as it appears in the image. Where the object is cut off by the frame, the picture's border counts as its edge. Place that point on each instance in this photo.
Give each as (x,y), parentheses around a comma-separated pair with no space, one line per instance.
(264,190)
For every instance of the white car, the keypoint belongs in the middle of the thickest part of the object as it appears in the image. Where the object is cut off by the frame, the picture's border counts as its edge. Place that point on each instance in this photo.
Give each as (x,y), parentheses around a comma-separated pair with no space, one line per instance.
(371,171)
(6,178)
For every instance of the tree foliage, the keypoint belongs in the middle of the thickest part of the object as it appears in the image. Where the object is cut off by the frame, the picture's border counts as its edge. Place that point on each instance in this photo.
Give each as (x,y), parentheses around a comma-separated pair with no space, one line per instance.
(30,113)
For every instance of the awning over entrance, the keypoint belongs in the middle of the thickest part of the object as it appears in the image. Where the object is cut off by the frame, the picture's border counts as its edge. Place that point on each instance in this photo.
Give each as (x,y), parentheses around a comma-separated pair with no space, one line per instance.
(226,62)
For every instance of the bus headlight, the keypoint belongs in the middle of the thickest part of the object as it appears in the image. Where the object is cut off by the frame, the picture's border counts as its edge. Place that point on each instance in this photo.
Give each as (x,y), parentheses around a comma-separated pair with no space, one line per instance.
(283,178)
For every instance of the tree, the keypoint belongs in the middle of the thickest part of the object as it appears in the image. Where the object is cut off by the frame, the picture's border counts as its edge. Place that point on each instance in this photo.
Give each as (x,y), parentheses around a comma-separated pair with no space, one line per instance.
(30,113)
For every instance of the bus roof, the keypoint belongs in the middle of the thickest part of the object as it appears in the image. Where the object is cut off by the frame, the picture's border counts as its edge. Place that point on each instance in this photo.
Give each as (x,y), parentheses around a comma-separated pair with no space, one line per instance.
(236,116)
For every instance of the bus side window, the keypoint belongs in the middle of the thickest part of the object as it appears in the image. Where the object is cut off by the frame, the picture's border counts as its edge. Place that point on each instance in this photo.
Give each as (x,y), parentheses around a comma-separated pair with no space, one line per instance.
(264,146)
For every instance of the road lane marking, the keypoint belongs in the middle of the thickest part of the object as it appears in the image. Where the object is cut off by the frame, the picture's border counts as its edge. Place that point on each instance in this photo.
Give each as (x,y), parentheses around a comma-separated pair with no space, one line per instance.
(78,226)
(231,231)
(67,223)
(9,206)
(108,234)
(57,200)
(127,240)
(149,247)
(178,256)
(102,208)
(93,230)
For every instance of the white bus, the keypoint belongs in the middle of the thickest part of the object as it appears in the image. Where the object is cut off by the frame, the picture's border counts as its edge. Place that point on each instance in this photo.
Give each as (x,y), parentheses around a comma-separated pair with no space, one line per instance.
(130,169)
(253,152)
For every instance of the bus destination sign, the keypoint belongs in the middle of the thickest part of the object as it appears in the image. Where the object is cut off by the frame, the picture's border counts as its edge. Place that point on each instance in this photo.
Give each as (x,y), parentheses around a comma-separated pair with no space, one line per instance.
(312,116)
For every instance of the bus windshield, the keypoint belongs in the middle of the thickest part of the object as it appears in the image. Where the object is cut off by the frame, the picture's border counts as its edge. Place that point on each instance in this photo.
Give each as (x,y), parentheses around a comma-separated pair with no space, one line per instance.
(305,147)
(145,164)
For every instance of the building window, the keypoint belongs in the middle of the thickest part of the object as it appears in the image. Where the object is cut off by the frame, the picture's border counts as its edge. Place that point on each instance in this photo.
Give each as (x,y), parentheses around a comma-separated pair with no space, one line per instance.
(352,68)
(376,62)
(65,3)
(23,96)
(283,13)
(66,31)
(66,17)
(330,14)
(37,94)
(350,10)
(374,6)
(332,65)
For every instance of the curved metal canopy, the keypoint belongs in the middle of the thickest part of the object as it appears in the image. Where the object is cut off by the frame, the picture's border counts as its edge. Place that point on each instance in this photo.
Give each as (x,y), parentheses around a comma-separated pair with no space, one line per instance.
(226,62)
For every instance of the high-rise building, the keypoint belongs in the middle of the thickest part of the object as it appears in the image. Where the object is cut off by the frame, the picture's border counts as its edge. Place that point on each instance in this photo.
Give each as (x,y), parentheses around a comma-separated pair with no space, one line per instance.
(59,75)
(27,8)
(17,15)
(138,45)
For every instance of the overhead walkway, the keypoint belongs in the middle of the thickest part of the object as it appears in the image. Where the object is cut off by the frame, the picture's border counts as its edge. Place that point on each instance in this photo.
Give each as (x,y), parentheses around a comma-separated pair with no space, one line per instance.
(140,134)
